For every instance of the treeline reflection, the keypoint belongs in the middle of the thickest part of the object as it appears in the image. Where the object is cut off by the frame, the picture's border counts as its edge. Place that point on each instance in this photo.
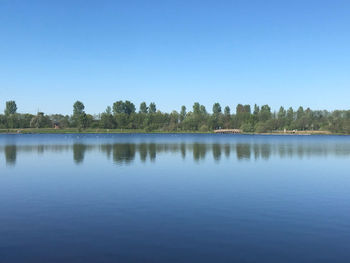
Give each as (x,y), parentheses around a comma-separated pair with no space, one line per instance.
(125,153)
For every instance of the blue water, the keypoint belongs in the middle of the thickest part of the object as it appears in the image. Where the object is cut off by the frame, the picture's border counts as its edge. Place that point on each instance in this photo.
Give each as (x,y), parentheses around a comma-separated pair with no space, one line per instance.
(174,198)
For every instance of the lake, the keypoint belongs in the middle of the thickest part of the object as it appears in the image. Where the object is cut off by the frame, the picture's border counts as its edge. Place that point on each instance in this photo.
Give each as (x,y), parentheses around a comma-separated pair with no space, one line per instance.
(174,198)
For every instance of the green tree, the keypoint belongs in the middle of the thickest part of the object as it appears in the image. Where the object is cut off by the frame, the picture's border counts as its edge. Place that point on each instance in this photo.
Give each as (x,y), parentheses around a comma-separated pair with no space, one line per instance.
(256,110)
(78,108)
(265,113)
(79,115)
(107,121)
(227,111)
(246,109)
(281,113)
(109,110)
(40,121)
(256,113)
(196,108)
(118,107)
(247,127)
(174,119)
(126,107)
(227,117)
(239,109)
(216,120)
(60,120)
(290,117)
(143,108)
(183,113)
(281,116)
(11,107)
(129,107)
(300,113)
(243,113)
(152,107)
(202,110)
(216,108)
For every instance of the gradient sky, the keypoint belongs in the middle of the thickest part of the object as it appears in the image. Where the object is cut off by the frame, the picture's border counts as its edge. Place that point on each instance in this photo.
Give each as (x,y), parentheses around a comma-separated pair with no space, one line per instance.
(174,53)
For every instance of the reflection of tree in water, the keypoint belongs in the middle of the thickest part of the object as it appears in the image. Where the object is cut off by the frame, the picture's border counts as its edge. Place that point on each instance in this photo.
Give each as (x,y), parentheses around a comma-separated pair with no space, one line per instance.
(256,150)
(227,149)
(216,151)
(152,151)
(285,150)
(143,149)
(290,150)
(11,154)
(281,150)
(300,151)
(124,153)
(41,149)
(243,151)
(265,151)
(199,151)
(183,150)
(107,148)
(78,152)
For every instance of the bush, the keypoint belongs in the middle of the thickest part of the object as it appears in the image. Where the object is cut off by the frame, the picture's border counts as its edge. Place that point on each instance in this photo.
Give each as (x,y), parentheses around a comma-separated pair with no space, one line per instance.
(261,127)
(203,128)
(247,127)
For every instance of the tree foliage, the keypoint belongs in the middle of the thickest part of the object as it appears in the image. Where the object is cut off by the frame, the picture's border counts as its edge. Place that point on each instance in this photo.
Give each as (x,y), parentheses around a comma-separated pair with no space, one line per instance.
(11,107)
(123,115)
(143,108)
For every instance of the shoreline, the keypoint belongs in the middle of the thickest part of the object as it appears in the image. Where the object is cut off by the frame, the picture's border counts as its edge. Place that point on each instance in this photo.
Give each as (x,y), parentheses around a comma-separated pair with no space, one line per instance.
(134,131)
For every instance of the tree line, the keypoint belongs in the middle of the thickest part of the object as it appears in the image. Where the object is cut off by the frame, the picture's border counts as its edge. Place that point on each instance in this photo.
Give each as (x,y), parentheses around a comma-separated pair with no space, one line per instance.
(123,115)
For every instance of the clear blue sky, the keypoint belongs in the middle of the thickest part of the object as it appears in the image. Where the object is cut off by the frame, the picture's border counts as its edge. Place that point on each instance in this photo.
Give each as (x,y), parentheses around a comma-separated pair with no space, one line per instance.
(174,53)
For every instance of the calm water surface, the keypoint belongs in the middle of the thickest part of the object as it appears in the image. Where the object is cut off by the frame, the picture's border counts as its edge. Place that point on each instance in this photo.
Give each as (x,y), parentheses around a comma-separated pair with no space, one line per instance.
(174,198)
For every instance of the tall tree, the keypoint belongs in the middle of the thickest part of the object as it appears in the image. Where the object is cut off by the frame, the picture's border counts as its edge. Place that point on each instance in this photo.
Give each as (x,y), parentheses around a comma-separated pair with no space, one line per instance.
(129,107)
(196,108)
(246,109)
(239,109)
(216,108)
(227,111)
(143,107)
(118,107)
(227,117)
(152,108)
(281,118)
(265,113)
(281,113)
(256,113)
(300,112)
(107,121)
(216,120)
(242,115)
(256,110)
(203,110)
(11,107)
(79,116)
(108,110)
(290,117)
(78,108)
(183,113)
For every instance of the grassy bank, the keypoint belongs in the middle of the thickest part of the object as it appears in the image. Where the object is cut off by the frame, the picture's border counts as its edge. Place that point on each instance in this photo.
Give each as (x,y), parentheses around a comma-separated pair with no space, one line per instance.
(90,130)
(301,133)
(116,131)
